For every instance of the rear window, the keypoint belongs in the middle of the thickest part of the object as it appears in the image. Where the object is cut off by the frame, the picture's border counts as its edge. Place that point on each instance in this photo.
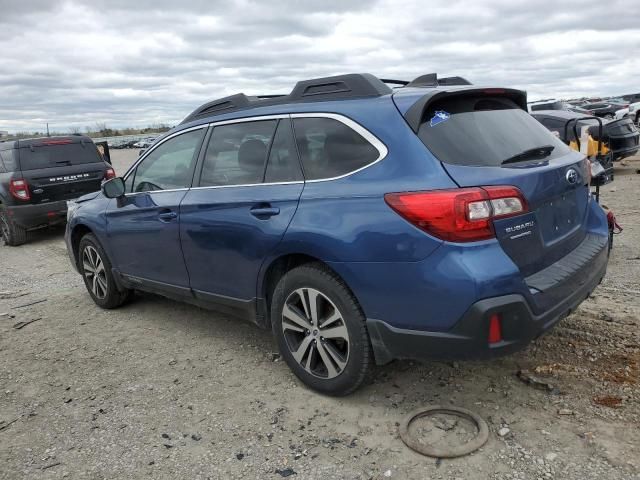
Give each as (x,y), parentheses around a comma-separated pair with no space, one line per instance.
(483,131)
(47,156)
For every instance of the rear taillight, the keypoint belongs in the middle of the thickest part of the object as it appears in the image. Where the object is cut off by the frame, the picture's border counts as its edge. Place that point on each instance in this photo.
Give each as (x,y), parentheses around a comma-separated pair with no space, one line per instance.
(109,173)
(19,189)
(459,215)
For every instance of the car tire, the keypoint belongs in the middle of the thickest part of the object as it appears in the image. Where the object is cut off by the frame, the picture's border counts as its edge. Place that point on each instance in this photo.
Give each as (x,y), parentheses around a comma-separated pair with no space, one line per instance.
(95,268)
(609,116)
(334,365)
(12,234)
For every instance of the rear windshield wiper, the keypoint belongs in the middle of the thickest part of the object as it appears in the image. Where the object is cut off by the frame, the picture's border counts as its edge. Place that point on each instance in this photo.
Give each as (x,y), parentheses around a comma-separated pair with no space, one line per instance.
(531,154)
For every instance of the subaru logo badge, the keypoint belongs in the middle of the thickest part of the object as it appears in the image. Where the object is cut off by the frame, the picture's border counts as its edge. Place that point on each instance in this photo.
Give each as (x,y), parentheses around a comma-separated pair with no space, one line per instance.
(572,176)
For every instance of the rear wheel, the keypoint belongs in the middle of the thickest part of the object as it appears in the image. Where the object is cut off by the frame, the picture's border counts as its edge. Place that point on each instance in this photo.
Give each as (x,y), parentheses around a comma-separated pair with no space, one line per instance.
(608,116)
(321,330)
(95,267)
(11,233)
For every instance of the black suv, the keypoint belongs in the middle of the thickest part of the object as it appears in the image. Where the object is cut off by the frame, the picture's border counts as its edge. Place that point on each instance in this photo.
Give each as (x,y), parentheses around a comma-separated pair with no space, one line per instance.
(39,175)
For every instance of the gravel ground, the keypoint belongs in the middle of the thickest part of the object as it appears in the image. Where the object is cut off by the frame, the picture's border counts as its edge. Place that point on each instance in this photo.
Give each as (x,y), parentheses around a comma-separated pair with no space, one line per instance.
(159,389)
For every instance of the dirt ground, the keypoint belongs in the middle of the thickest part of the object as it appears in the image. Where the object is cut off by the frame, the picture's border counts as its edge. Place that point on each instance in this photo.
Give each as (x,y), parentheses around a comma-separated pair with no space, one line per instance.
(159,389)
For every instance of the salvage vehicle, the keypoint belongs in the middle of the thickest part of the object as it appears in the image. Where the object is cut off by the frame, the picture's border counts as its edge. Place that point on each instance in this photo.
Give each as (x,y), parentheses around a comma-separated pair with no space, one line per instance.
(39,175)
(632,112)
(620,137)
(555,105)
(360,223)
(603,109)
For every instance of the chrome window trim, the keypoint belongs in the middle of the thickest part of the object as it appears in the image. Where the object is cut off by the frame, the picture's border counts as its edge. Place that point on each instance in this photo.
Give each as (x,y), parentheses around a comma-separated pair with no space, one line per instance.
(366,134)
(248,185)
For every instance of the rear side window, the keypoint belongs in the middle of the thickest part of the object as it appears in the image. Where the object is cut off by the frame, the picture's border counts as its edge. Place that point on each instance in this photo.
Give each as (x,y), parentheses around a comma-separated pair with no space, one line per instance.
(47,156)
(237,153)
(8,160)
(329,148)
(483,131)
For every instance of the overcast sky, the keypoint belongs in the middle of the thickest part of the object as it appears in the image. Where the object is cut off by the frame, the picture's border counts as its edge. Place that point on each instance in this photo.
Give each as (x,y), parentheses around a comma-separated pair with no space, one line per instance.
(75,63)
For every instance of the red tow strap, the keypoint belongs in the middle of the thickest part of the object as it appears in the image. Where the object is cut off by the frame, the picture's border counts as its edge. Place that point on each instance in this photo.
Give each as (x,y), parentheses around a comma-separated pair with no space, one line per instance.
(614,227)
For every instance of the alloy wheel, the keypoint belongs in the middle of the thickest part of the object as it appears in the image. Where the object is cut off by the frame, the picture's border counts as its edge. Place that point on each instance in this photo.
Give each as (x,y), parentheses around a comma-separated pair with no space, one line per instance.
(315,333)
(94,272)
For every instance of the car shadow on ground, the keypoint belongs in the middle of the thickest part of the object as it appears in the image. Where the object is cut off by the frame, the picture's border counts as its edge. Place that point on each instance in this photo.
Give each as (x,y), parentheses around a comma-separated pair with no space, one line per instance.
(45,234)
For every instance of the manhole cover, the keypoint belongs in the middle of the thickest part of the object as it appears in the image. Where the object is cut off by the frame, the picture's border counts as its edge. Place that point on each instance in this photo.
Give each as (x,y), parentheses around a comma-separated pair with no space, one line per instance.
(444,432)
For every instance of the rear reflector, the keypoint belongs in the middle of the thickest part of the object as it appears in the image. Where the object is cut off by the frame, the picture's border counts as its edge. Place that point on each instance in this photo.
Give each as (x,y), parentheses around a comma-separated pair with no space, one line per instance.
(461,214)
(109,173)
(495,329)
(19,189)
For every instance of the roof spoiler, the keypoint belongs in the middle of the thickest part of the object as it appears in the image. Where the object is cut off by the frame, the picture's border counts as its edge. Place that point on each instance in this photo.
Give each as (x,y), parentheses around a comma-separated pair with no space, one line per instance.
(415,114)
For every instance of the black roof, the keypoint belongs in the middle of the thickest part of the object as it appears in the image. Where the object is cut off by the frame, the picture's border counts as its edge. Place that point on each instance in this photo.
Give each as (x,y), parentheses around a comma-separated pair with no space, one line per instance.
(39,141)
(340,87)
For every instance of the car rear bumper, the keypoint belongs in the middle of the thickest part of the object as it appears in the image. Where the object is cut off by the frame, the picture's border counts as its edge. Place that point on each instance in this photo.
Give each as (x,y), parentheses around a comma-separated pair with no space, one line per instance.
(38,215)
(468,339)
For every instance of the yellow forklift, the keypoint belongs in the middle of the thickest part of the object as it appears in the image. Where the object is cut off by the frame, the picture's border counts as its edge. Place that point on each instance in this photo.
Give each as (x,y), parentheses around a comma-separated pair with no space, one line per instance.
(600,157)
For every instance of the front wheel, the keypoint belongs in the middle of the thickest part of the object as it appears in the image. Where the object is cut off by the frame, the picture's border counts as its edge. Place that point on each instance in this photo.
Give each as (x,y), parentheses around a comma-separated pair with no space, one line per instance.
(321,330)
(95,267)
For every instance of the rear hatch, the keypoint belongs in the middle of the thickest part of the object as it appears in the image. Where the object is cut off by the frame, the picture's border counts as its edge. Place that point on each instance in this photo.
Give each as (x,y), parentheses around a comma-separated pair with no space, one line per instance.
(482,139)
(61,169)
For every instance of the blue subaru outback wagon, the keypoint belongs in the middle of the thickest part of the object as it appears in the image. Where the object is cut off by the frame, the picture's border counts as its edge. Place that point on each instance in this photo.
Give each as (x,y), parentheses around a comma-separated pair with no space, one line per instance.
(358,222)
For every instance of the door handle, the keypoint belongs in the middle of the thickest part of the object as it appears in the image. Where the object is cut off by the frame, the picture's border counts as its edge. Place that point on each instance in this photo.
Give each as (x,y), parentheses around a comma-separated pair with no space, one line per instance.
(167,216)
(264,211)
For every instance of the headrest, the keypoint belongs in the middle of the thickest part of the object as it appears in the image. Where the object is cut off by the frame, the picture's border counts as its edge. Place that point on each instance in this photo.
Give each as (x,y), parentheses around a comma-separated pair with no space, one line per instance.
(252,154)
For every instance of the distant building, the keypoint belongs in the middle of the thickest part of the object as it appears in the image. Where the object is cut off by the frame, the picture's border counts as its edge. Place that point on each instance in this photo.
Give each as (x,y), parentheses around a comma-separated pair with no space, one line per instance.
(4,133)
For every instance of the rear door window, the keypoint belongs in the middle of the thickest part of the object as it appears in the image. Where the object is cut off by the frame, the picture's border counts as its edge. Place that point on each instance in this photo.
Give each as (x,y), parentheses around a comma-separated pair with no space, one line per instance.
(48,156)
(483,131)
(329,148)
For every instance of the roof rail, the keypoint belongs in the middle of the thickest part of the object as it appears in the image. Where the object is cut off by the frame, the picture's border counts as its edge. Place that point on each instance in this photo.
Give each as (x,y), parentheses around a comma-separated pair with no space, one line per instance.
(339,87)
(353,85)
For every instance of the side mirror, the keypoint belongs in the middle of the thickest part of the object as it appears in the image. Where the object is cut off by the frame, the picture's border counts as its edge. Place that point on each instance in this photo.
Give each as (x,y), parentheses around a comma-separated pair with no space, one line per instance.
(113,188)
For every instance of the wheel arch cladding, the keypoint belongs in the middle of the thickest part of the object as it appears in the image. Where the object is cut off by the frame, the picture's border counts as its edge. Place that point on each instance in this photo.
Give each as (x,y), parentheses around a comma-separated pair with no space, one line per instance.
(278,267)
(79,231)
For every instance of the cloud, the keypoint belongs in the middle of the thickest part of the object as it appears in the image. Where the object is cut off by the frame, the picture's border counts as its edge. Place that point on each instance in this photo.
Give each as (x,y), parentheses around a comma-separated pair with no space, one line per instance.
(75,63)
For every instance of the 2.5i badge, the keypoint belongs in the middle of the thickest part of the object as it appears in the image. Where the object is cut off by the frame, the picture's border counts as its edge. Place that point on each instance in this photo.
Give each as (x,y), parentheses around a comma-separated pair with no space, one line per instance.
(438,117)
